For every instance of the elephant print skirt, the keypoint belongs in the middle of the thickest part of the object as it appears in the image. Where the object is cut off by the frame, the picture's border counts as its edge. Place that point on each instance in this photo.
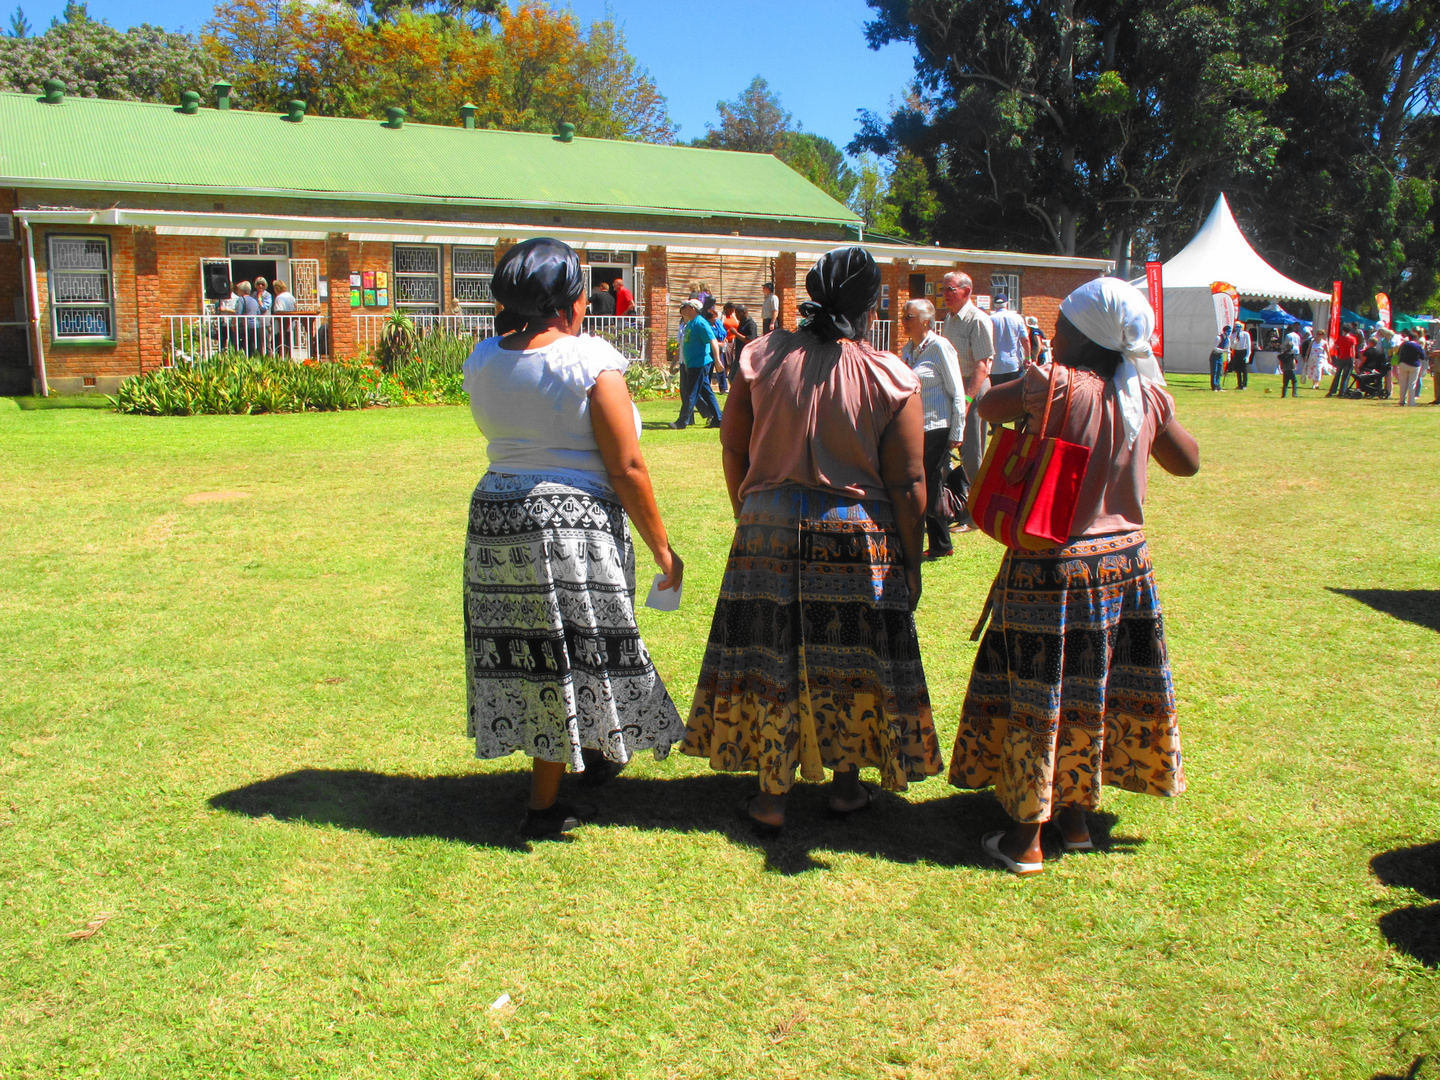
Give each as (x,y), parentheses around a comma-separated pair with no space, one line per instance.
(553,661)
(812,661)
(1071,687)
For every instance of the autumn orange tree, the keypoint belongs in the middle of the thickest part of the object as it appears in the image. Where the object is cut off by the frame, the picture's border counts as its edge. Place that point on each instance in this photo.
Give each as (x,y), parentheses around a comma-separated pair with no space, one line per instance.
(525,68)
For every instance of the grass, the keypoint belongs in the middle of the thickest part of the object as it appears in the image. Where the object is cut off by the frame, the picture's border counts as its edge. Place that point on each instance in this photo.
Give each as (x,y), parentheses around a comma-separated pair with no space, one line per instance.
(62,401)
(232,703)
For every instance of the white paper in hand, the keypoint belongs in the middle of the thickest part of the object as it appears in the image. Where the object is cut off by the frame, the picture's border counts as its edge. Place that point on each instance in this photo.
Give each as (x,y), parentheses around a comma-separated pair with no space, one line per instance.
(663,599)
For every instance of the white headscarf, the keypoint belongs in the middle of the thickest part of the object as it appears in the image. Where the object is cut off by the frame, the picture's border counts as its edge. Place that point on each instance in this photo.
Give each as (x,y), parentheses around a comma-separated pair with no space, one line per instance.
(1116,316)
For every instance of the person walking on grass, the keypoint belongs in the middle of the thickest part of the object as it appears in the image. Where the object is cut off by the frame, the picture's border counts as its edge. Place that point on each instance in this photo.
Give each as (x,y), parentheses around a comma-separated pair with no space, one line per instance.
(1407,365)
(813,662)
(1241,348)
(967,328)
(942,396)
(1218,354)
(1289,360)
(699,348)
(1071,686)
(555,667)
(1346,348)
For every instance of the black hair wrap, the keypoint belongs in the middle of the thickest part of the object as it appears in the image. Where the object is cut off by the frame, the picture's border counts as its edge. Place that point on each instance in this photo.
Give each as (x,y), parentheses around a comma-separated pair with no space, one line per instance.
(538,279)
(844,286)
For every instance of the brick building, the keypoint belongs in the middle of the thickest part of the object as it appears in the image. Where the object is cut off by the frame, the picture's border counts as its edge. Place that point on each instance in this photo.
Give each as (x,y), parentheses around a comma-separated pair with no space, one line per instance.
(123,226)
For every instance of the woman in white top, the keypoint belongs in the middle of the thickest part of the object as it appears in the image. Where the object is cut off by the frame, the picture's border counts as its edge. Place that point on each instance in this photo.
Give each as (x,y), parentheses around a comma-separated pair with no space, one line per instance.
(942,394)
(1317,364)
(554,663)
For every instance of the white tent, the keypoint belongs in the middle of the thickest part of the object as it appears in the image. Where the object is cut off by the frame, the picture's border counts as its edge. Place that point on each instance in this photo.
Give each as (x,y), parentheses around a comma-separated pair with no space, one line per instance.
(1219,252)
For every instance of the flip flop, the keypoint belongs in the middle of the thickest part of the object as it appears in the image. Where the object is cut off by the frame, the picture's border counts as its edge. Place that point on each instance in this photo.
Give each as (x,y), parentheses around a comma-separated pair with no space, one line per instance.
(991,844)
(844,815)
(762,829)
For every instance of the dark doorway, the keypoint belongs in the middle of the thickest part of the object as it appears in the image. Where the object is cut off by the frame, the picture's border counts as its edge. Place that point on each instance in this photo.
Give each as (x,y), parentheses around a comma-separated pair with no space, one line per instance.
(250,269)
(14,361)
(608,274)
(917,286)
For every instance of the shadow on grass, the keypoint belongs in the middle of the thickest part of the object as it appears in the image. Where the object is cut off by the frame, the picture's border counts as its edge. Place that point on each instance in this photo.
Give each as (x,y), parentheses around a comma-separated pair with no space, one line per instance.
(1414,930)
(1412,1073)
(1419,606)
(484,809)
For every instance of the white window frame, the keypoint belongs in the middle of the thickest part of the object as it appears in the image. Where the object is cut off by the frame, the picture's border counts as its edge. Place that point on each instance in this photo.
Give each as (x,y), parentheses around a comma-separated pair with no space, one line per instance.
(469,306)
(398,277)
(1009,284)
(57,306)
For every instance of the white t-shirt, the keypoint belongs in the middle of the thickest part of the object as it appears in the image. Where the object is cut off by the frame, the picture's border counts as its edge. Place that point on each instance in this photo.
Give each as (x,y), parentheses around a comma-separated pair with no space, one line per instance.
(284,303)
(534,406)
(1240,342)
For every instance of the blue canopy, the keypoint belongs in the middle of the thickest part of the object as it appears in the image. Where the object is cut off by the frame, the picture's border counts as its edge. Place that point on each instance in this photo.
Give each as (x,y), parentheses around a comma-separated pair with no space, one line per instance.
(1271,317)
(1346,315)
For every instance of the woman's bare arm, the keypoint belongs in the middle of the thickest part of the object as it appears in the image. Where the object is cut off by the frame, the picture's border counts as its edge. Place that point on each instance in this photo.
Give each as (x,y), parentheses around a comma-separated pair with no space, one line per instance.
(613,421)
(1176,450)
(735,428)
(1004,403)
(902,468)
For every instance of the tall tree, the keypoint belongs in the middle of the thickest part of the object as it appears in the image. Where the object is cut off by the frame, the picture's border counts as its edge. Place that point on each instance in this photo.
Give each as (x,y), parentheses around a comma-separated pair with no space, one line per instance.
(755,122)
(93,59)
(19,25)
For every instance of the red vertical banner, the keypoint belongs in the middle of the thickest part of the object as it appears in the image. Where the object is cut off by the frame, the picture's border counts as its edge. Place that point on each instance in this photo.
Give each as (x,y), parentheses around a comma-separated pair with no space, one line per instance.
(1335,312)
(1382,309)
(1156,287)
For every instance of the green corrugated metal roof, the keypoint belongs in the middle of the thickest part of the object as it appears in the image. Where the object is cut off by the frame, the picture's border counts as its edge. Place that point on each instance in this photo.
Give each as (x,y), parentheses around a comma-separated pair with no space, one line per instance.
(93,143)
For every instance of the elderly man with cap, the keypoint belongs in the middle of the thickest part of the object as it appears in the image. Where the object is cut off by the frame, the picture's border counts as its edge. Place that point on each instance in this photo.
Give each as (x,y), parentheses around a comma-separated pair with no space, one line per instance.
(1071,687)
(699,348)
(968,329)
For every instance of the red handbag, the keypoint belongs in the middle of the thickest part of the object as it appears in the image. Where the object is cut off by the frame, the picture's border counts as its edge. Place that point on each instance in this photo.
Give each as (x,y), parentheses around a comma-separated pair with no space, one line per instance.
(1028,486)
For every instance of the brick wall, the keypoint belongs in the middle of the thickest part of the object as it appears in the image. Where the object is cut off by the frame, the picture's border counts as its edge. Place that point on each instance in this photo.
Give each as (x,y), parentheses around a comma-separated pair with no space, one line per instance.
(657,304)
(15,368)
(69,365)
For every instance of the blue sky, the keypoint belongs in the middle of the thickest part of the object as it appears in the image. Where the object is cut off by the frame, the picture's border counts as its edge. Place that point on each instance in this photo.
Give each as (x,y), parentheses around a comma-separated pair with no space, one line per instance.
(812,52)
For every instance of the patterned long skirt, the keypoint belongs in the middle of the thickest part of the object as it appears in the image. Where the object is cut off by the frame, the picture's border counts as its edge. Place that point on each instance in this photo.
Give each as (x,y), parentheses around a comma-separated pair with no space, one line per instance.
(812,661)
(553,661)
(1071,686)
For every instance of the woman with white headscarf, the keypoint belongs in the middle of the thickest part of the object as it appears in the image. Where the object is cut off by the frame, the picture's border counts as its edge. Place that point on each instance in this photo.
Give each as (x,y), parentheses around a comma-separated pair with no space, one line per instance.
(1071,686)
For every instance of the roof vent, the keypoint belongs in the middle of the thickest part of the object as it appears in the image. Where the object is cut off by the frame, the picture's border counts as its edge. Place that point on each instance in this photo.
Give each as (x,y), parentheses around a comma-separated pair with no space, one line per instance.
(189,102)
(296,111)
(566,132)
(222,95)
(54,92)
(467,113)
(396,117)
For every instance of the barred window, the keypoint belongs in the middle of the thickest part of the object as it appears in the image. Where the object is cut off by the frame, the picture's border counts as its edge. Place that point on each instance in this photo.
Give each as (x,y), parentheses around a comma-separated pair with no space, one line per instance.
(82,295)
(417,280)
(1009,284)
(470,270)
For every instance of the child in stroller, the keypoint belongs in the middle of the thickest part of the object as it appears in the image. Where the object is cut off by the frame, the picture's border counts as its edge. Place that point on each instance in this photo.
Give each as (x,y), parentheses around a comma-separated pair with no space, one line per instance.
(1370,374)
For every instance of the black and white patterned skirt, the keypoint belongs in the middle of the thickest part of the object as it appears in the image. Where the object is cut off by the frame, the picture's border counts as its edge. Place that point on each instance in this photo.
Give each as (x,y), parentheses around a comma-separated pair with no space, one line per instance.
(553,660)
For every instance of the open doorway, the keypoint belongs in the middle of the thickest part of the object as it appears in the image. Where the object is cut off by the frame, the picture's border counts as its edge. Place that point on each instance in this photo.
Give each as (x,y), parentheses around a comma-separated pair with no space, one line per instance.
(250,269)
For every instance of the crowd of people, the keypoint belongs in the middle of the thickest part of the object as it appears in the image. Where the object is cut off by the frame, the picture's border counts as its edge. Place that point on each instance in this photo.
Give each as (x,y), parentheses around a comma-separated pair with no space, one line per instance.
(251,329)
(812,662)
(1358,364)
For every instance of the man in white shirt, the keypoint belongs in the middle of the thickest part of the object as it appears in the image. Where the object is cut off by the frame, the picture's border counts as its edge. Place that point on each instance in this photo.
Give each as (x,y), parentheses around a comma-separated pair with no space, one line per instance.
(968,329)
(769,307)
(1240,346)
(1012,342)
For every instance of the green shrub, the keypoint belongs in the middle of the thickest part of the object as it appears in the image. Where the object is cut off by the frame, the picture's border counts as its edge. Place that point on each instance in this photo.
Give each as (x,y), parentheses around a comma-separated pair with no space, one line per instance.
(646,381)
(232,382)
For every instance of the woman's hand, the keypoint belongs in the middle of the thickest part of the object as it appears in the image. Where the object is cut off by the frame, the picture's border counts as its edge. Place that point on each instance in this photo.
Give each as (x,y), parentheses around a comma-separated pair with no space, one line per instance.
(912,579)
(672,566)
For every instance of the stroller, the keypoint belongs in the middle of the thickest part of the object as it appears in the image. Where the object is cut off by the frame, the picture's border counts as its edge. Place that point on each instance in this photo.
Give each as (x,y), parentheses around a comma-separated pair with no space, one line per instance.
(1368,384)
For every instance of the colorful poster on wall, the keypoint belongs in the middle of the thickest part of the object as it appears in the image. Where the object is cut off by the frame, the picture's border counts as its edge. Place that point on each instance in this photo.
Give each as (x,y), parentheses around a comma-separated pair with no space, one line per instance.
(369,297)
(382,279)
(1335,311)
(354,297)
(1156,287)
(368,279)
(382,297)
(1382,309)
(355,280)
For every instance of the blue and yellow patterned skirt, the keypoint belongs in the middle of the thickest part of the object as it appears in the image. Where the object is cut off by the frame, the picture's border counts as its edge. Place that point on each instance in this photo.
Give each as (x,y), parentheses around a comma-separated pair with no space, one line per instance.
(1071,686)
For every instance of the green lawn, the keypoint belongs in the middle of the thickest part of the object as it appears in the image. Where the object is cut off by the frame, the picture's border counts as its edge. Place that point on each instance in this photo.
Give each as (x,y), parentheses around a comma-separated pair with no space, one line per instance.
(234,722)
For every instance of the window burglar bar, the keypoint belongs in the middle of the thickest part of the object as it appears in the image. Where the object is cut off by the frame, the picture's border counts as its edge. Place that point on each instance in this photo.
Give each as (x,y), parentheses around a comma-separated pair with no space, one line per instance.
(80,288)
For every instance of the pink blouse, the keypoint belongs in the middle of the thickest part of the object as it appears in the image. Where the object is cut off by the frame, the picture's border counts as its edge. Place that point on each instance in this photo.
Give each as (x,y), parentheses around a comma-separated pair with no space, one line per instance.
(1112,497)
(820,409)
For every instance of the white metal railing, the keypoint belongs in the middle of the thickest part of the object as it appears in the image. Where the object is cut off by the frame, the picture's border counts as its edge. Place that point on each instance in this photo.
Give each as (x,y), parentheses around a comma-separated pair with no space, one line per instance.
(369,328)
(625,332)
(199,337)
(880,335)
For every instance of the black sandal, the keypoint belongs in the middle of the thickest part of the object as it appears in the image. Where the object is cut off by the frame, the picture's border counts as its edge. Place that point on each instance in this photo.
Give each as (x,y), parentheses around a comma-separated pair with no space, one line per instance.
(845,815)
(555,820)
(599,769)
(762,829)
